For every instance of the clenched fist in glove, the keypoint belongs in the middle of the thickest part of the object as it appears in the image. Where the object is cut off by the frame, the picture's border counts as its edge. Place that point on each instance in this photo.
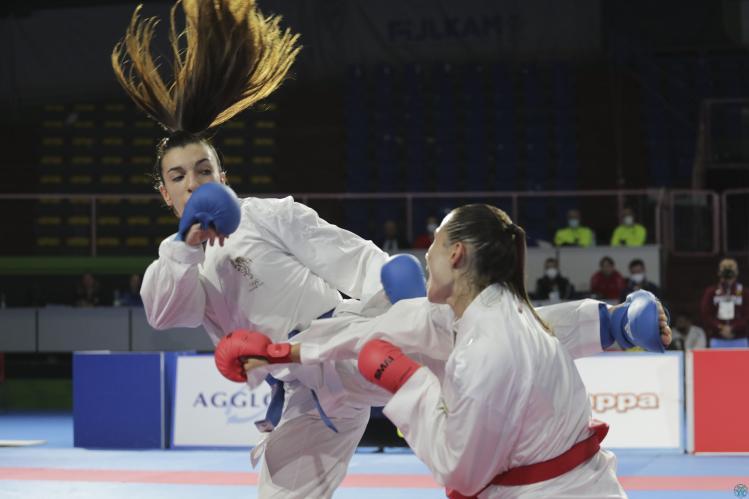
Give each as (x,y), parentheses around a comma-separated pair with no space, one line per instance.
(237,346)
(385,365)
(212,206)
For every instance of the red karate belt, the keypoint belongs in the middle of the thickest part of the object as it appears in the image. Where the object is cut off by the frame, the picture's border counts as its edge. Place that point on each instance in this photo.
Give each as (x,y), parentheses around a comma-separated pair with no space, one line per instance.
(552,468)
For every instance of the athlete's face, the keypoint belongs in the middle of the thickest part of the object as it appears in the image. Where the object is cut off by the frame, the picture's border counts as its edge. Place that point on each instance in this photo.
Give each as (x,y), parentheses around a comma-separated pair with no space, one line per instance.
(184,169)
(439,259)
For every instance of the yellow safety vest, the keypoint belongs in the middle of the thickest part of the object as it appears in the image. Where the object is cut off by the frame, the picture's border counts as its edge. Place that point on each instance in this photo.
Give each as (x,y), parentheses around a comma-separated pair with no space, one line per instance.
(579,236)
(629,235)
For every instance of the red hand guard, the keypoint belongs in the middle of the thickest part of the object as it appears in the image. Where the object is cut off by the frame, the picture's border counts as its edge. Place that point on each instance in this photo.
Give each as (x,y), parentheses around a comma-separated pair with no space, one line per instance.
(240,344)
(385,365)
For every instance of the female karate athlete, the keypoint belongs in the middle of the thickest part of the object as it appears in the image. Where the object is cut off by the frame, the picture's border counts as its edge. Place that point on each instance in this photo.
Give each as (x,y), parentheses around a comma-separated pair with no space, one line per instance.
(282,267)
(511,417)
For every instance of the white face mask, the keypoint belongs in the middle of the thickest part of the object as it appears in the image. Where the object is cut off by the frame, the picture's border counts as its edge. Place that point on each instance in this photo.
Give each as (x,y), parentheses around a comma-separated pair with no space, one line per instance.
(638,278)
(573,222)
(551,273)
(629,220)
(431,228)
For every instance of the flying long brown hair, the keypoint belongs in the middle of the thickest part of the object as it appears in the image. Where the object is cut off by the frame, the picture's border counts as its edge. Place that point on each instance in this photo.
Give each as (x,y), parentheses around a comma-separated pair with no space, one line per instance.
(227,58)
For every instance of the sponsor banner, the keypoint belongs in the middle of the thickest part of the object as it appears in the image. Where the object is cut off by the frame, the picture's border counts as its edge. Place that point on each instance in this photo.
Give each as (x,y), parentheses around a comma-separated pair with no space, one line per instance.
(719,400)
(639,395)
(210,410)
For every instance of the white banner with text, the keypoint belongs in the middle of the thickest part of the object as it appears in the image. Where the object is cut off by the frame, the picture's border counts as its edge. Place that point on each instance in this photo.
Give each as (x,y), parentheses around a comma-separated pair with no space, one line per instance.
(639,395)
(210,410)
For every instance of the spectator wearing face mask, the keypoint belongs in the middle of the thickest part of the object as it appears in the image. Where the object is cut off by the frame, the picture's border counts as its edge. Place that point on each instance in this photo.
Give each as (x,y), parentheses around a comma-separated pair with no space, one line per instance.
(725,306)
(423,241)
(552,286)
(687,336)
(574,234)
(638,279)
(629,233)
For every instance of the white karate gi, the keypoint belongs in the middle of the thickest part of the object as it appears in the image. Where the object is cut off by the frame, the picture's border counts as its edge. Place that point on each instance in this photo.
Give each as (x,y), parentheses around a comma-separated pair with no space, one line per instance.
(276,273)
(511,396)
(423,330)
(281,269)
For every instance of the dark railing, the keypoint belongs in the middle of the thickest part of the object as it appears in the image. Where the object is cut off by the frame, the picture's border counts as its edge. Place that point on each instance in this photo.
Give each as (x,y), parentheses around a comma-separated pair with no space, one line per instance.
(685,222)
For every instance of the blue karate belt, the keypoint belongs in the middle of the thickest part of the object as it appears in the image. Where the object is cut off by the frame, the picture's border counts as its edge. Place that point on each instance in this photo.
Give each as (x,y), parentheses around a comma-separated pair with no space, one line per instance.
(275,408)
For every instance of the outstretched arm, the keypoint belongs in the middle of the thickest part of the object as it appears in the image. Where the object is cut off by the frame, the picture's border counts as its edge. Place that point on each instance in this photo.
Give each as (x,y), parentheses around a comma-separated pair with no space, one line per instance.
(414,325)
(172,293)
(582,325)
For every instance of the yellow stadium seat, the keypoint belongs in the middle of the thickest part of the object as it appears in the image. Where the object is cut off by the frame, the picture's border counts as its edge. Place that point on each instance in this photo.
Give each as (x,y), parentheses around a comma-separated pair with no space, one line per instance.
(139,179)
(144,124)
(265,124)
(108,221)
(263,141)
(114,124)
(114,107)
(142,160)
(77,242)
(112,160)
(81,179)
(83,141)
(79,220)
(138,220)
(262,160)
(82,160)
(234,141)
(52,123)
(83,124)
(54,108)
(51,160)
(143,142)
(84,107)
(137,242)
(112,141)
(107,242)
(233,160)
(53,141)
(50,220)
(111,179)
(261,179)
(48,242)
(166,220)
(50,179)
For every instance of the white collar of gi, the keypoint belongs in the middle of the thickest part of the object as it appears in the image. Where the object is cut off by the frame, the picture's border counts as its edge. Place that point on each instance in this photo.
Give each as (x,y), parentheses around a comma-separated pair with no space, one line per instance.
(489,297)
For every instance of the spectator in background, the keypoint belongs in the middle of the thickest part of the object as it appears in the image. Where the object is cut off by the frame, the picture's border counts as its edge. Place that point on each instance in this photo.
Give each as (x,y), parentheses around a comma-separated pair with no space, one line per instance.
(552,286)
(687,336)
(423,241)
(607,284)
(131,297)
(725,306)
(639,280)
(87,292)
(574,234)
(393,240)
(629,233)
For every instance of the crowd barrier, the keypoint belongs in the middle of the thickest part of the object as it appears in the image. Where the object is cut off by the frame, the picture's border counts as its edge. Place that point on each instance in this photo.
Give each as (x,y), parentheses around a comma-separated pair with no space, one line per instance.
(69,329)
(640,395)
